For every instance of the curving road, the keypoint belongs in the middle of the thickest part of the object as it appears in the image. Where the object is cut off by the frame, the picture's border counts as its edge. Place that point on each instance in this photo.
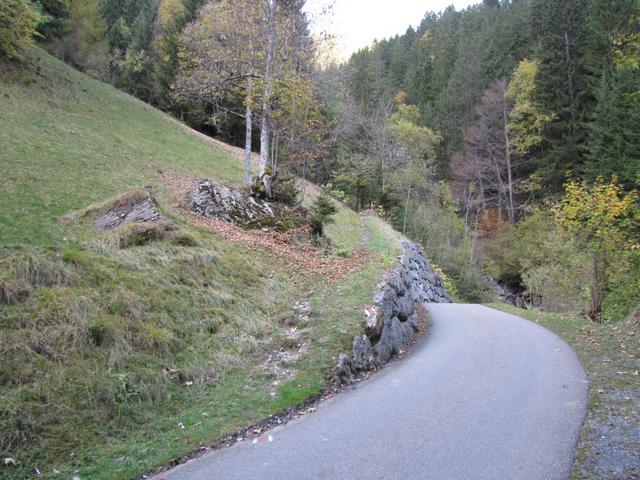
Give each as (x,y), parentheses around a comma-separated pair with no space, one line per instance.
(486,395)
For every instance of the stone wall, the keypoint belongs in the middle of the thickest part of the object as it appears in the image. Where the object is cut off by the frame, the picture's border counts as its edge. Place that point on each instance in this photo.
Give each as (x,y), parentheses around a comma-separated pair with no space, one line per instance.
(392,322)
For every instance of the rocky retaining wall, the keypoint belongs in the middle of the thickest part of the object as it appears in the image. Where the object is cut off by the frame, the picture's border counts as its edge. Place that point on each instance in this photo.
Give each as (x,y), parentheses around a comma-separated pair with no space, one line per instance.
(392,322)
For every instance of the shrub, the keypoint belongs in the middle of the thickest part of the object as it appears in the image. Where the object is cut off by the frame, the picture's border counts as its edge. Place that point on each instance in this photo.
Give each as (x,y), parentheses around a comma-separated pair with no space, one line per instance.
(18,24)
(138,234)
(602,220)
(284,189)
(448,282)
(184,239)
(322,212)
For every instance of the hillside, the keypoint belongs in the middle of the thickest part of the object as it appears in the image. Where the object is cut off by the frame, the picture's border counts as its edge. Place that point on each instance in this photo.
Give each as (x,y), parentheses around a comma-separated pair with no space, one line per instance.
(118,360)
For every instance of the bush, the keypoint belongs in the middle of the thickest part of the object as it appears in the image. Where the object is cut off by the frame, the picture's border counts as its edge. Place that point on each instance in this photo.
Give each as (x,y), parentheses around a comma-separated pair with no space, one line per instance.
(138,234)
(18,24)
(322,212)
(284,189)
(553,271)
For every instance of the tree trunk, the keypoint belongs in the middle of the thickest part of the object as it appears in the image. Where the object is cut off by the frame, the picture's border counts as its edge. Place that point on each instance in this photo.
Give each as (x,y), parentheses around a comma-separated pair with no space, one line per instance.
(406,207)
(472,254)
(507,147)
(567,50)
(248,136)
(268,85)
(597,290)
(276,150)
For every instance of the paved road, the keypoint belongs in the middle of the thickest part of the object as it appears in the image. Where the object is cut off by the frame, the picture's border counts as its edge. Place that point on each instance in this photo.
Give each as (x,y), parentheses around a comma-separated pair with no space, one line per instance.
(485,396)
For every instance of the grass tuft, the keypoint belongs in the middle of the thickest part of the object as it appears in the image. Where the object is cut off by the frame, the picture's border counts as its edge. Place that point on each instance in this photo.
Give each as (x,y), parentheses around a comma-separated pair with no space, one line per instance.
(138,234)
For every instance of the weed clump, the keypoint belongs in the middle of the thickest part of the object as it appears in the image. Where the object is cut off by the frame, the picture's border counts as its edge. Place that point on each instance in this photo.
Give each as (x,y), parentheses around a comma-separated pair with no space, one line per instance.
(138,234)
(21,273)
(183,239)
(12,294)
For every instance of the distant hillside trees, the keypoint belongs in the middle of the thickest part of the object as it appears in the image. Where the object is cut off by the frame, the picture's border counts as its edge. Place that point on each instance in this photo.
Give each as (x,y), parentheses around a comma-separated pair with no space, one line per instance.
(526,96)
(19,21)
(452,58)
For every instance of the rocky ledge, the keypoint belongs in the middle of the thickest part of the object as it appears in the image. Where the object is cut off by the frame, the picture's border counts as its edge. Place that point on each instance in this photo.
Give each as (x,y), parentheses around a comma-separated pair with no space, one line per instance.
(392,322)
(216,201)
(137,206)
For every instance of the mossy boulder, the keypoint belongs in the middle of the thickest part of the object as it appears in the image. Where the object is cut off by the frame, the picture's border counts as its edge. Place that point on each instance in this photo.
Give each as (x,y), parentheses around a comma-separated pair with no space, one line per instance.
(216,201)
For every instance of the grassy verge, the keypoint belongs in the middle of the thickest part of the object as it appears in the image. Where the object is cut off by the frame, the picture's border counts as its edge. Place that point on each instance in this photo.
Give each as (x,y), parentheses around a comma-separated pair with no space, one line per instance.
(118,360)
(610,353)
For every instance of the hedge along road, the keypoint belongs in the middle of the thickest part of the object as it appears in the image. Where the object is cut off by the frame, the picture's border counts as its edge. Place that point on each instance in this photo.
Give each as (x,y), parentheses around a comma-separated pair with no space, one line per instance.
(486,395)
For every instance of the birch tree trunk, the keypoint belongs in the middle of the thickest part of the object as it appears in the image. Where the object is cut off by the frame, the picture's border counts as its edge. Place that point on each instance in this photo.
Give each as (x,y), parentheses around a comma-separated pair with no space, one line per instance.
(248,134)
(265,130)
(507,153)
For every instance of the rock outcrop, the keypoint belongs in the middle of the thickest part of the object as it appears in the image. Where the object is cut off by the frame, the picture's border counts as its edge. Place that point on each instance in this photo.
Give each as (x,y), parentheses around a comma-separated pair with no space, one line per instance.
(215,201)
(392,322)
(138,206)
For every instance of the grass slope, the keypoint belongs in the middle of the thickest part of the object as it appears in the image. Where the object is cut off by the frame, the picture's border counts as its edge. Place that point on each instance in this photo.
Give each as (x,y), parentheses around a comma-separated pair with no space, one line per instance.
(69,141)
(116,361)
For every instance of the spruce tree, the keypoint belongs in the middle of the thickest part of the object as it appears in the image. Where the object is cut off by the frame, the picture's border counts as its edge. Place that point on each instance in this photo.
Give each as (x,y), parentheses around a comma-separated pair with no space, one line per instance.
(615,131)
(562,86)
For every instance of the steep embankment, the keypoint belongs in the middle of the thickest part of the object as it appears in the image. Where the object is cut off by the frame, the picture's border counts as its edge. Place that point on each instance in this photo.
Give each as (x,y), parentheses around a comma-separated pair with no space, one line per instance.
(120,351)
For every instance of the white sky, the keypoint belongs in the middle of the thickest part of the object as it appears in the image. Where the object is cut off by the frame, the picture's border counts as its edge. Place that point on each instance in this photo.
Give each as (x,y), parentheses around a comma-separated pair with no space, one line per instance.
(357,23)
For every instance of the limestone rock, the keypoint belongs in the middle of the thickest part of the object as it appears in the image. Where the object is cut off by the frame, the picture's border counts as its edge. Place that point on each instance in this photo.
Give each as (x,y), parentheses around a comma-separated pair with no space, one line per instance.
(216,201)
(372,323)
(363,355)
(134,207)
(344,370)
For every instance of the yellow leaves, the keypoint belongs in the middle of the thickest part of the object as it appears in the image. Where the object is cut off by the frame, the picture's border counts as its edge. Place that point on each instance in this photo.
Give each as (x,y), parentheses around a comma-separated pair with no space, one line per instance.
(168,10)
(602,214)
(400,98)
(526,121)
(627,52)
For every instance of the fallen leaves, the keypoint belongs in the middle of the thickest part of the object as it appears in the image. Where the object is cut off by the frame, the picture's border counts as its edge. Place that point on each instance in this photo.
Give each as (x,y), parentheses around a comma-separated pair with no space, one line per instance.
(292,248)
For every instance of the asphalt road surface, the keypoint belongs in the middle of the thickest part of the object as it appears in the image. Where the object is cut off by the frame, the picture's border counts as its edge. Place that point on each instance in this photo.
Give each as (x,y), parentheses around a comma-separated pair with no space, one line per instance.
(485,395)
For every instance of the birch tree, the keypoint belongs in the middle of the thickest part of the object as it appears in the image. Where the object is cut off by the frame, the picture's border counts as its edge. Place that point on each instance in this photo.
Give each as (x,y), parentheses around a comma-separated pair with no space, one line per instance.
(263,59)
(218,60)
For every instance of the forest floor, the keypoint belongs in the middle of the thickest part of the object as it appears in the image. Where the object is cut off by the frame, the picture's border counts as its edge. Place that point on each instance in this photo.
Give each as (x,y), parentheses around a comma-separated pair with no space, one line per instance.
(610,354)
(116,361)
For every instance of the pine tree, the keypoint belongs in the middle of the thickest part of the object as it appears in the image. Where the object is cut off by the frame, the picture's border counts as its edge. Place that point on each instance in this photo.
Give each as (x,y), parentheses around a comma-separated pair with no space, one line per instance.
(55,19)
(615,132)
(562,86)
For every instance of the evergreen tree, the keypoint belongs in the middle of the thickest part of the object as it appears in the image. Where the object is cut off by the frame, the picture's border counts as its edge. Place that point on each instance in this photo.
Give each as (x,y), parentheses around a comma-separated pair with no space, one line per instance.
(55,19)
(606,20)
(18,24)
(562,86)
(614,140)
